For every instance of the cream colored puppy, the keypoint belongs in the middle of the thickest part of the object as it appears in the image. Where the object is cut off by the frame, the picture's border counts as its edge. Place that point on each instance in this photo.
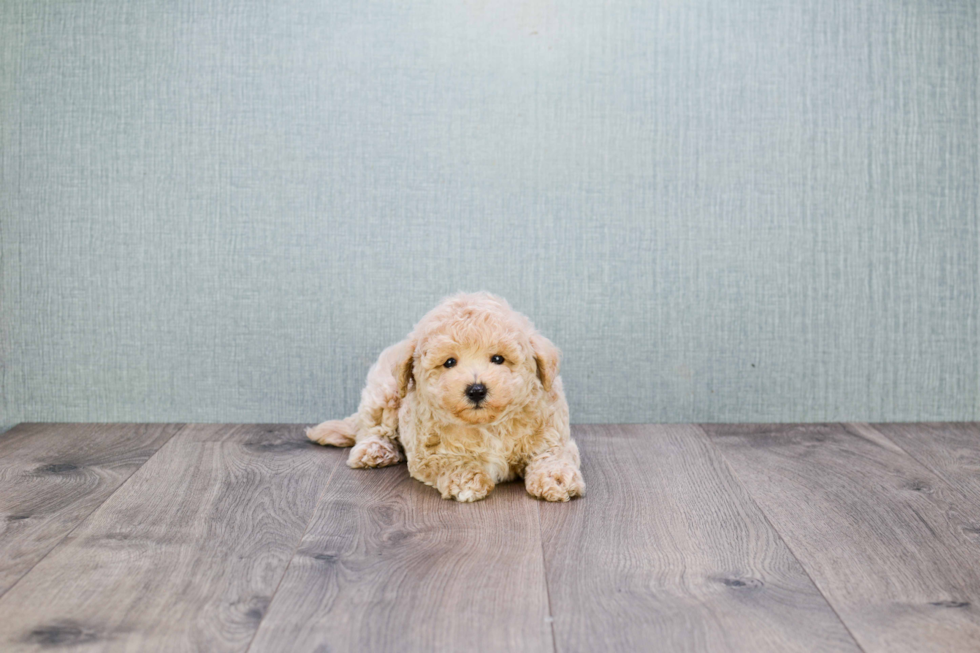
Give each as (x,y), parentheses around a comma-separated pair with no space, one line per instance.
(473,397)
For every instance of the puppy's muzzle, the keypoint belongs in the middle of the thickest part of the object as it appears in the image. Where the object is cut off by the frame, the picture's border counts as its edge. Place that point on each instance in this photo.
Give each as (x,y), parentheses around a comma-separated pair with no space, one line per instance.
(476,393)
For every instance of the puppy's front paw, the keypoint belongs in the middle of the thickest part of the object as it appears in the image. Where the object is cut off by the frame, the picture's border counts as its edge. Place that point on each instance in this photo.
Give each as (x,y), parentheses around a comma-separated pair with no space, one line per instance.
(555,481)
(465,485)
(374,452)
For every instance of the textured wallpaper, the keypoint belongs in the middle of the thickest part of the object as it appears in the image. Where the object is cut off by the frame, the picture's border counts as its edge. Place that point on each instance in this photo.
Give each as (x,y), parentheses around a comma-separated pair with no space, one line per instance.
(720,210)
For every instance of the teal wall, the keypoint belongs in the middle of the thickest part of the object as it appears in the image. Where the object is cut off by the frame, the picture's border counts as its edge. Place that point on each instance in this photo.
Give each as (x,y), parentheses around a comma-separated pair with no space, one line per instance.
(720,210)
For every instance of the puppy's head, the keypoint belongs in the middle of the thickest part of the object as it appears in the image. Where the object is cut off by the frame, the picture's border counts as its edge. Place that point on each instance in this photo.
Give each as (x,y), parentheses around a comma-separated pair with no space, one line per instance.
(477,361)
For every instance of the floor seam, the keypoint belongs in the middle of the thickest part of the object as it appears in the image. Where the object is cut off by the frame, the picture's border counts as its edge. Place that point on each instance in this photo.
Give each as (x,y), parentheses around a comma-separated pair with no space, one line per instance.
(728,465)
(929,468)
(299,543)
(181,429)
(547,588)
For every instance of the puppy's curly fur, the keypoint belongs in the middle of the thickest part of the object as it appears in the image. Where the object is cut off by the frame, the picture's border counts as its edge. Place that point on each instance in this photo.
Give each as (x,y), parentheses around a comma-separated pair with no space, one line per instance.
(420,399)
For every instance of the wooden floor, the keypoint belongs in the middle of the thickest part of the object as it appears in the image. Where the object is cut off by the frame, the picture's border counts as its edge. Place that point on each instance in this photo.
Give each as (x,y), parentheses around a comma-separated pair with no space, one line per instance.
(837,537)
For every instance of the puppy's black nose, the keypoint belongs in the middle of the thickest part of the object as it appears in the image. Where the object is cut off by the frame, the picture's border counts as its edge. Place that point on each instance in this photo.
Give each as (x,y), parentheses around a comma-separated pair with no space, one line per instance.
(476,392)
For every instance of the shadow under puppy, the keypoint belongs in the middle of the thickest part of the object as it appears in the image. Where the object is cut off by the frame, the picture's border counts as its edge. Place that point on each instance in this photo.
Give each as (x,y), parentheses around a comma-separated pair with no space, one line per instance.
(473,397)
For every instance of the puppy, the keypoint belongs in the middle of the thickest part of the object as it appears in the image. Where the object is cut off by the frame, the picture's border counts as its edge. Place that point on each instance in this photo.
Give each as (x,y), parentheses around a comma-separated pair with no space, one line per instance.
(473,398)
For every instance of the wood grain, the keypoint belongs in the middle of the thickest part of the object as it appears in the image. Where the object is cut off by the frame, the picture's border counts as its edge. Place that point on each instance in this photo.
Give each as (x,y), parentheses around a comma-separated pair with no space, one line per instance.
(52,476)
(885,539)
(218,542)
(388,565)
(186,556)
(667,551)
(951,450)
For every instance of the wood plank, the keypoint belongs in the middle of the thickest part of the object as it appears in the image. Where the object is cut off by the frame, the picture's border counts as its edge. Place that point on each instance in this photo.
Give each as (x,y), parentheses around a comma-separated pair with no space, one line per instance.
(185,556)
(884,538)
(388,565)
(667,550)
(951,450)
(52,476)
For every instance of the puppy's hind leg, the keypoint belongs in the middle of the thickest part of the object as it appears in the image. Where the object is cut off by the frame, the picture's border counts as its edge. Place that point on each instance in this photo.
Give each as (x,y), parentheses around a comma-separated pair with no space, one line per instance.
(335,433)
(377,445)
(373,430)
(374,451)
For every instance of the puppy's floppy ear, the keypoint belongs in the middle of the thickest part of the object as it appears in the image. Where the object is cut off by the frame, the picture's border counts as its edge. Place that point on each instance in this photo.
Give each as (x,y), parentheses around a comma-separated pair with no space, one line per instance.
(403,365)
(548,359)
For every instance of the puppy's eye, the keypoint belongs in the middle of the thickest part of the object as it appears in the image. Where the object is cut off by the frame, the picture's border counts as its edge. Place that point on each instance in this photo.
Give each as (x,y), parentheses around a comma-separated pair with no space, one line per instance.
(497,359)
(450,362)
